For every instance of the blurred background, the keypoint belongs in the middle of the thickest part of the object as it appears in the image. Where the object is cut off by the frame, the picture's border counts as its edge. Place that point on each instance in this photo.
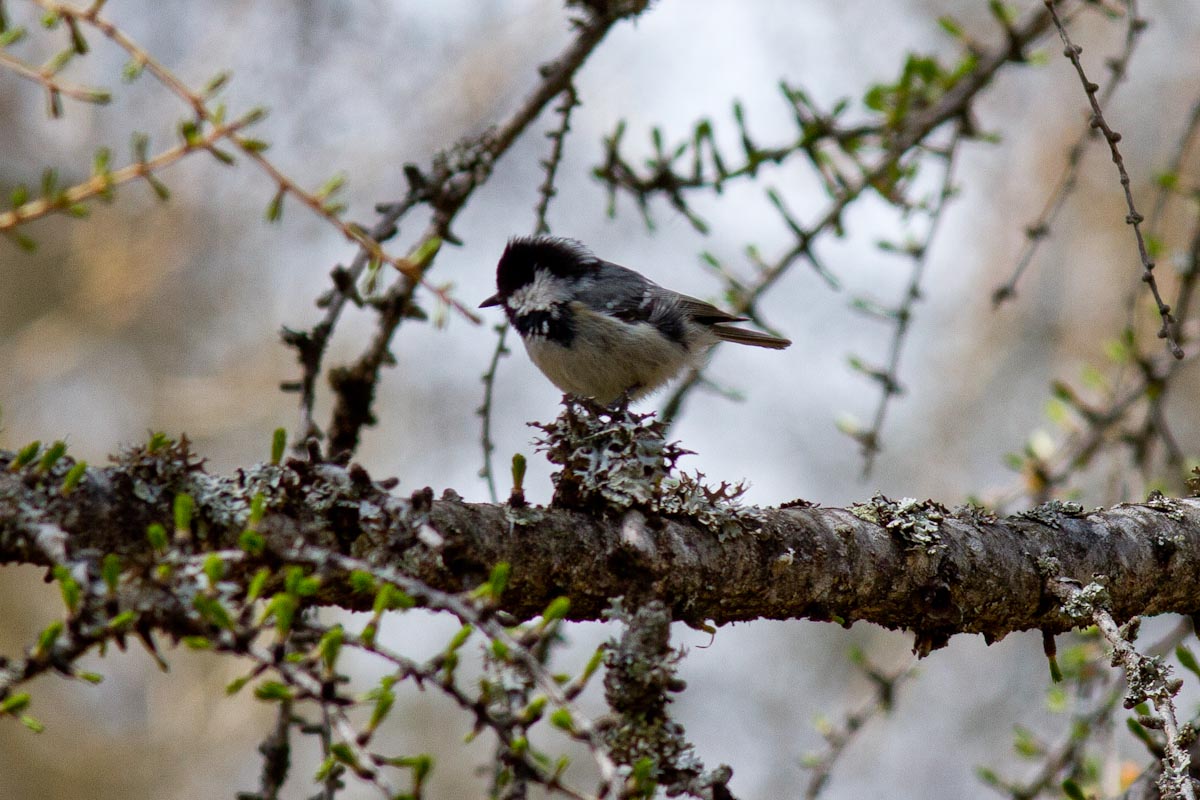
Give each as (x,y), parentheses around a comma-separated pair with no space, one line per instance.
(166,316)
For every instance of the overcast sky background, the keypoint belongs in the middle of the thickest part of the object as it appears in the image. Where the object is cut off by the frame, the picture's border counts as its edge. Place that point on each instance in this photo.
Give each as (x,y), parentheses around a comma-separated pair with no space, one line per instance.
(166,317)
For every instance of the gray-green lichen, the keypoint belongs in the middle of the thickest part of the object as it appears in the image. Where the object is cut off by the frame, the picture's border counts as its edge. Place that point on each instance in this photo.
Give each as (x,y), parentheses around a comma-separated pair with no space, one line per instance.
(1082,604)
(915,522)
(523,516)
(638,684)
(1165,505)
(1052,513)
(614,459)
(976,514)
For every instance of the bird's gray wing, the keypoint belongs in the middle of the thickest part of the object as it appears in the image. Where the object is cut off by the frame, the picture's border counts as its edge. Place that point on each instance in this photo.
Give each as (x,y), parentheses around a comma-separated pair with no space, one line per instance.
(704,312)
(633,298)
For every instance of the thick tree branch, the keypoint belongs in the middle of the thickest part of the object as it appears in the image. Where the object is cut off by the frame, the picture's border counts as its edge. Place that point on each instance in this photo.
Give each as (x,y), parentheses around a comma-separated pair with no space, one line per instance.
(901,565)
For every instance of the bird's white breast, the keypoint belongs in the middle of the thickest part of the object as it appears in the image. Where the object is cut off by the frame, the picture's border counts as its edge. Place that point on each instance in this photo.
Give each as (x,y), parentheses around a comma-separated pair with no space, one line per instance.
(606,357)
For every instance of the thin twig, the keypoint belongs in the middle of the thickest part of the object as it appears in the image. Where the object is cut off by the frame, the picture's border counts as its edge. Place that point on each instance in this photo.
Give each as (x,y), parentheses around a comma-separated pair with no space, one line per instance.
(1147,678)
(1150,679)
(276,751)
(1186,139)
(102,183)
(250,148)
(1150,379)
(1044,475)
(311,345)
(485,410)
(1072,51)
(889,377)
(557,137)
(954,104)
(51,84)
(1070,755)
(583,728)
(1037,231)
(1157,424)
(354,384)
(839,737)
(546,192)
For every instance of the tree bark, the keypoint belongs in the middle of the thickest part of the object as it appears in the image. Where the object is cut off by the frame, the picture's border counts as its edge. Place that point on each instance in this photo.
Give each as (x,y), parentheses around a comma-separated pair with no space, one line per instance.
(904,565)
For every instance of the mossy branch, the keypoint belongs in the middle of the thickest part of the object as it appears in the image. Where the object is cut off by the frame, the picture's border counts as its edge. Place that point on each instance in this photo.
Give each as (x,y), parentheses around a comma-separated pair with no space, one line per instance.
(909,565)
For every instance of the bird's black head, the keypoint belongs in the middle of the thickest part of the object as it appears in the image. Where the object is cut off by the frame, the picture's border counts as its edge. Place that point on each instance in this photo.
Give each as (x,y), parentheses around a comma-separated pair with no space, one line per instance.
(525,255)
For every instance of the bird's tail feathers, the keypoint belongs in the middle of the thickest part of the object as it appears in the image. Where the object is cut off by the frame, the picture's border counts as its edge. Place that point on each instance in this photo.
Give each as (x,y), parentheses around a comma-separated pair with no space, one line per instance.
(727,333)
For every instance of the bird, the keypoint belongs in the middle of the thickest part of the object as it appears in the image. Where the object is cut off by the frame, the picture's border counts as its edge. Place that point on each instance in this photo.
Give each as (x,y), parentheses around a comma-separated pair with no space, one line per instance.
(597,329)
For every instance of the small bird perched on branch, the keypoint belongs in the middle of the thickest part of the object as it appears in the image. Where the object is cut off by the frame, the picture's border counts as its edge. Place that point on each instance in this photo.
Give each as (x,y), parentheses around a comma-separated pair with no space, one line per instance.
(600,330)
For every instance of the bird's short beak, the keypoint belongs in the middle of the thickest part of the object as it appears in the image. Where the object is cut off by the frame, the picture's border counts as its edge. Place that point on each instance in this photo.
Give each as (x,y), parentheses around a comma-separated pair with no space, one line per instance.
(494,300)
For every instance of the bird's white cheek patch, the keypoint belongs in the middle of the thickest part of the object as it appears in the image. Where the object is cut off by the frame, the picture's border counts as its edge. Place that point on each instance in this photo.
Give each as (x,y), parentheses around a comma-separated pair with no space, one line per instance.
(543,293)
